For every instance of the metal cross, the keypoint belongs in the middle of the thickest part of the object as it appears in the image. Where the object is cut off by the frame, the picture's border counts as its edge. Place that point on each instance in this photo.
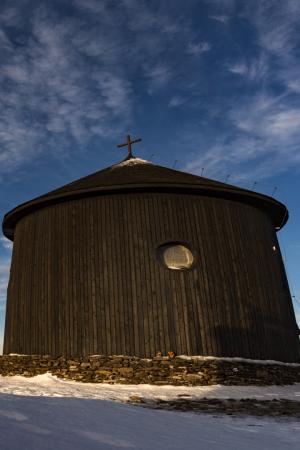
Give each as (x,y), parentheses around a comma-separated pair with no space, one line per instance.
(128,144)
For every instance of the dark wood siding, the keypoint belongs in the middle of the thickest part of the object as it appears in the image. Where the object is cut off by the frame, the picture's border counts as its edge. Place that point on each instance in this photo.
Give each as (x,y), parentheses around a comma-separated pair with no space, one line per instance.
(85,279)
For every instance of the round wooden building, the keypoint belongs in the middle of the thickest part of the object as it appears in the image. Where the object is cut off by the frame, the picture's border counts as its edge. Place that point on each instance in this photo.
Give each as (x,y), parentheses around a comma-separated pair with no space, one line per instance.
(138,258)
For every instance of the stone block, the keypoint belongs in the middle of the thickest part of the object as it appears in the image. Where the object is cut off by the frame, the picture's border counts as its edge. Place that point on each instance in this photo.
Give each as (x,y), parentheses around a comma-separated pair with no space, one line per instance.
(103,372)
(126,371)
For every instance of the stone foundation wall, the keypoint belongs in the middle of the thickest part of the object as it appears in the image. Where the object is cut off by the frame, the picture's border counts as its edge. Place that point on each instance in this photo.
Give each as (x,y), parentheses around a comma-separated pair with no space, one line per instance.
(178,371)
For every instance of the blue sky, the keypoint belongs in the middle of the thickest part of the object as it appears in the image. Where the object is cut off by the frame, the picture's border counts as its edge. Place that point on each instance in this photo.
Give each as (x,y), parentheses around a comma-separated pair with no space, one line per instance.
(211,84)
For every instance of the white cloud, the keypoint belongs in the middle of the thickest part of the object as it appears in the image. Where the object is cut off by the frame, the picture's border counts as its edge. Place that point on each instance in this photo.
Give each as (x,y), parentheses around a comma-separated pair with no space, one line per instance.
(269,118)
(254,69)
(220,18)
(276,23)
(283,124)
(143,18)
(10,15)
(158,77)
(197,48)
(6,243)
(115,91)
(92,6)
(66,79)
(262,140)
(177,100)
(277,27)
(238,68)
(4,275)
(54,96)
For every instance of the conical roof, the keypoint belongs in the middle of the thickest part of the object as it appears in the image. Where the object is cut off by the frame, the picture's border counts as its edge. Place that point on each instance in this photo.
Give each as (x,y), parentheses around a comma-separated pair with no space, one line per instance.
(137,175)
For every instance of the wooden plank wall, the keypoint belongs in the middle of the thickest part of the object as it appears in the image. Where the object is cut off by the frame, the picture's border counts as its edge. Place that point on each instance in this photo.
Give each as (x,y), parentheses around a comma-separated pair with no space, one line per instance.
(85,279)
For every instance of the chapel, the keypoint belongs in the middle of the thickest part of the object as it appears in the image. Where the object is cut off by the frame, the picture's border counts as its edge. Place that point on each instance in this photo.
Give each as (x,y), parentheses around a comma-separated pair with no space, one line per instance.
(137,259)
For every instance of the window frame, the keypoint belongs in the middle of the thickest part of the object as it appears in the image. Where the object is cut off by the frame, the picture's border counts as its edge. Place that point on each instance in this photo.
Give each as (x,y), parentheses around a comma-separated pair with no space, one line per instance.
(188,245)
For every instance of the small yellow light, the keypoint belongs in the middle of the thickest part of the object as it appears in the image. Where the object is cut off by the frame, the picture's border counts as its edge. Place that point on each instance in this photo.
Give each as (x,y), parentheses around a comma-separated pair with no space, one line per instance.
(274,248)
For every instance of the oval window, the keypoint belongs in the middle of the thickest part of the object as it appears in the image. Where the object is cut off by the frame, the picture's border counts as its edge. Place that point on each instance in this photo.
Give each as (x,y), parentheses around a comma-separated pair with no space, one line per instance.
(176,256)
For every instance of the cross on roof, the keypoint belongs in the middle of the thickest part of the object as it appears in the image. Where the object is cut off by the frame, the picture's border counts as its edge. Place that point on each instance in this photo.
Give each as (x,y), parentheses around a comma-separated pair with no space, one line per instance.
(128,144)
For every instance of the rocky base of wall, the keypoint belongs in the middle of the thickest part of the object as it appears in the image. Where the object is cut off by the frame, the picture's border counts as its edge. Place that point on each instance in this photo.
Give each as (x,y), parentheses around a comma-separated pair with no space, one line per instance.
(269,408)
(179,371)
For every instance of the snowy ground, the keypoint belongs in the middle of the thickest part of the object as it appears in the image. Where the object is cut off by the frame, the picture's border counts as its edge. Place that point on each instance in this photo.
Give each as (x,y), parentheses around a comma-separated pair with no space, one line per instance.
(47,413)
(51,386)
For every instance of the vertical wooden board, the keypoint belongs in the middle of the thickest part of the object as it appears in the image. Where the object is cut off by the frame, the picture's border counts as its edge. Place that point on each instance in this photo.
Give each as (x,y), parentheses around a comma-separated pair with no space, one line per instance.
(111,278)
(139,269)
(100,305)
(191,291)
(149,248)
(242,267)
(176,212)
(106,294)
(229,295)
(165,298)
(73,279)
(137,276)
(235,272)
(91,233)
(263,303)
(255,262)
(127,278)
(211,278)
(239,289)
(154,276)
(72,307)
(131,270)
(199,280)
(121,251)
(61,281)
(121,279)
(28,309)
(88,323)
(85,282)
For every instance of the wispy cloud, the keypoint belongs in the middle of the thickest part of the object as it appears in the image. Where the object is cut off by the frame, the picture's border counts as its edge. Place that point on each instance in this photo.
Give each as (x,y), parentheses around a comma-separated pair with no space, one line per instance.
(238,68)
(262,132)
(4,275)
(54,100)
(220,18)
(197,48)
(6,243)
(68,79)
(276,25)
(262,140)
(177,100)
(93,6)
(255,69)
(158,77)
(282,124)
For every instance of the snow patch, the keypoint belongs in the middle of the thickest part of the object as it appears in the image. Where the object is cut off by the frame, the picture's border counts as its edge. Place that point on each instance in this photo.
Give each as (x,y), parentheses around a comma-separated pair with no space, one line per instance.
(130,162)
(47,385)
(238,359)
(46,412)
(204,358)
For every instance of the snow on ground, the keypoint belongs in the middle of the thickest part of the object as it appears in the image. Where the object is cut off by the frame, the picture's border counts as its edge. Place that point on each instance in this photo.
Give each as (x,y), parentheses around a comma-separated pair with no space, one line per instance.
(45,413)
(47,423)
(51,386)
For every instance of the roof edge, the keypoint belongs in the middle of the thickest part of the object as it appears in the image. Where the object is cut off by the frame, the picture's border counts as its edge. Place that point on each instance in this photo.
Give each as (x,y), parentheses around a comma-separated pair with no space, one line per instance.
(275,209)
